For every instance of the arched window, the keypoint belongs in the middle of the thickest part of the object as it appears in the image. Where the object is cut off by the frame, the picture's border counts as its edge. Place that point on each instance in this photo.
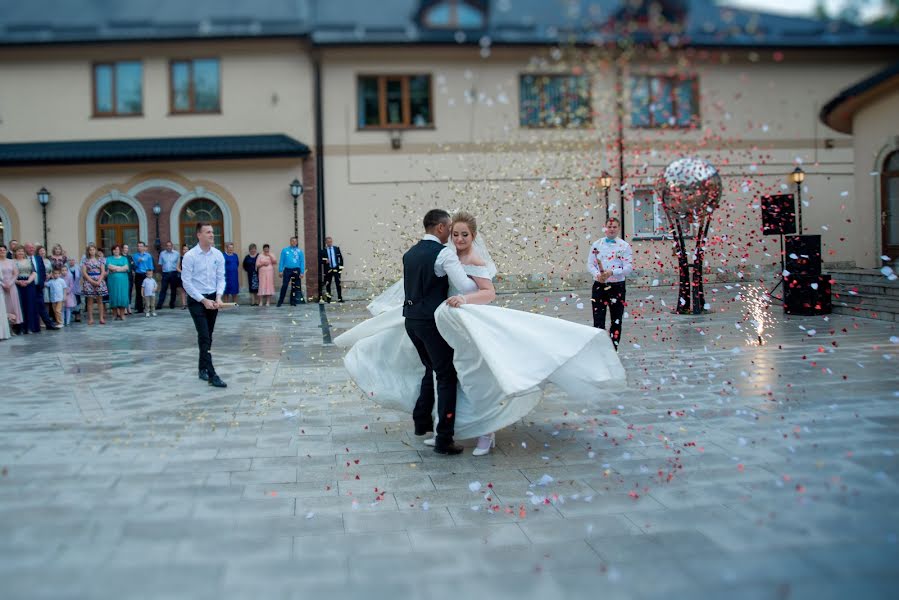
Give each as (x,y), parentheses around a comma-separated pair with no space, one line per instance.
(455,14)
(117,224)
(200,210)
(889,206)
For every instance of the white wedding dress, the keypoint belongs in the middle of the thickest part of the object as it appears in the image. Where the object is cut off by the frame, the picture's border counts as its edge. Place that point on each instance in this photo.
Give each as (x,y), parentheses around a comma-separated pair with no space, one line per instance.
(503,358)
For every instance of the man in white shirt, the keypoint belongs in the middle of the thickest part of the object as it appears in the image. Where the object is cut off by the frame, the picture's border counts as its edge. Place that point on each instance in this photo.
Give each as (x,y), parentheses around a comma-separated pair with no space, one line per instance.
(610,262)
(203,278)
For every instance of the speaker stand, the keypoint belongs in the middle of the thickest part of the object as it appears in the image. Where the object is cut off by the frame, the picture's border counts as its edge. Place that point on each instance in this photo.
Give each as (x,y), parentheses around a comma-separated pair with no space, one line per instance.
(783,267)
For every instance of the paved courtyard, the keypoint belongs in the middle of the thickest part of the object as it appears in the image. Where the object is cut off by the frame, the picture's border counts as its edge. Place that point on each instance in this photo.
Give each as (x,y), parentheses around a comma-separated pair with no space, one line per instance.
(727,470)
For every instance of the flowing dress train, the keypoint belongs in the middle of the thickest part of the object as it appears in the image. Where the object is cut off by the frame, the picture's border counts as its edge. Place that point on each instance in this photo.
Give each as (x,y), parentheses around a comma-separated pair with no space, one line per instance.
(504,358)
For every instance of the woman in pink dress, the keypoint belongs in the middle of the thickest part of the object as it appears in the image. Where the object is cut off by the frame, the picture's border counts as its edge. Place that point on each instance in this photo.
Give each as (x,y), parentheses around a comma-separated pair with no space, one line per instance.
(265,267)
(8,273)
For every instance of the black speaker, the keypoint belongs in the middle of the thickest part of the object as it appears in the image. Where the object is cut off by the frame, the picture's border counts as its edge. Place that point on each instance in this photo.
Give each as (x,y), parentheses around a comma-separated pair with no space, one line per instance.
(807,295)
(778,214)
(803,255)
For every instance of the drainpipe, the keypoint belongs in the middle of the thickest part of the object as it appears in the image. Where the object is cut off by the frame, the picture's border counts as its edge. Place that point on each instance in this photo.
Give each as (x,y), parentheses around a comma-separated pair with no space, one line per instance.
(619,111)
(319,160)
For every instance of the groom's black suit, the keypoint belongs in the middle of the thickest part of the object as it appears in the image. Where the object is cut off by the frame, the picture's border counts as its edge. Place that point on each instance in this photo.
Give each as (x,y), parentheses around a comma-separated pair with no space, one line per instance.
(425,291)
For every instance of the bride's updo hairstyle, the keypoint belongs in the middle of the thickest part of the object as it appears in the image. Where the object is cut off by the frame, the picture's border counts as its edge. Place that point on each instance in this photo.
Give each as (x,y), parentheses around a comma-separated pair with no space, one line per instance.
(468,219)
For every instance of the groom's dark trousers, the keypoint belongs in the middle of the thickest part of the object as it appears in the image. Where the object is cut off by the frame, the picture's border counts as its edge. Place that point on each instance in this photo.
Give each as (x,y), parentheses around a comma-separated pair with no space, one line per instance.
(424,292)
(437,357)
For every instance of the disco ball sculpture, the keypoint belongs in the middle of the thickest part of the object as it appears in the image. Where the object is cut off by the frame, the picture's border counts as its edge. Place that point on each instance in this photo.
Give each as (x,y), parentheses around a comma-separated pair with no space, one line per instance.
(689,190)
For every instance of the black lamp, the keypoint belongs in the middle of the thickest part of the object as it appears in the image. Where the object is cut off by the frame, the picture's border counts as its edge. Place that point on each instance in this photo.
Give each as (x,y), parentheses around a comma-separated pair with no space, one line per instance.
(296,190)
(605,182)
(797,177)
(157,210)
(43,196)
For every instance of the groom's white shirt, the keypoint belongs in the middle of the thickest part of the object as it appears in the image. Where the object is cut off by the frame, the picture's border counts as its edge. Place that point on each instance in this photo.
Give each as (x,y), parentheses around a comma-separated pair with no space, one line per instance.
(448,265)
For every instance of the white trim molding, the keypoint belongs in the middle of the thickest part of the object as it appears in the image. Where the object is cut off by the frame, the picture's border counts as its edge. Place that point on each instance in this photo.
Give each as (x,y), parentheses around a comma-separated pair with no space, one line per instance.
(155,183)
(115,196)
(187,196)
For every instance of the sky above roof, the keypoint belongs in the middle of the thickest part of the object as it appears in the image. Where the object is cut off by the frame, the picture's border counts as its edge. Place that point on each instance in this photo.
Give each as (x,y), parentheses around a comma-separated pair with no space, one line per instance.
(801,7)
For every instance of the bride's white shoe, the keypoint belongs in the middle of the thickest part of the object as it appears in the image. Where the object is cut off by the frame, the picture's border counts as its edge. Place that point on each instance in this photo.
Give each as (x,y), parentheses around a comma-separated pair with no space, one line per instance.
(430,441)
(485,443)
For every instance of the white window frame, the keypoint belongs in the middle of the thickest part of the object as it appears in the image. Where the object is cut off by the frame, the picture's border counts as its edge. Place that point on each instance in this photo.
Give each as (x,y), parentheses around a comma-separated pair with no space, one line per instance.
(660,222)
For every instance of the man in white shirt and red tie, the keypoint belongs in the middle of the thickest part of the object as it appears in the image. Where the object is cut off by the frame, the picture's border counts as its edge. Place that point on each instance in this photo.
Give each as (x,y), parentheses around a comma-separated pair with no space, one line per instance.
(203,278)
(610,262)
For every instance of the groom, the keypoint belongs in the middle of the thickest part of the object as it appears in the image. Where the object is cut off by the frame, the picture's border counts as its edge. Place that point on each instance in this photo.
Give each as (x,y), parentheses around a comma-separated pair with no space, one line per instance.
(427,269)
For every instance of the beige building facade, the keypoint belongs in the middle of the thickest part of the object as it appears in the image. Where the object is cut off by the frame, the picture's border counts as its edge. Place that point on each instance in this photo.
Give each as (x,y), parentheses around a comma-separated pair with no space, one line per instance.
(48,95)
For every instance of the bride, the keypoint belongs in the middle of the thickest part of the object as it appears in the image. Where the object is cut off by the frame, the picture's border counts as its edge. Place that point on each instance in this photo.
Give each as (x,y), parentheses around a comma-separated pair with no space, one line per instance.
(503,357)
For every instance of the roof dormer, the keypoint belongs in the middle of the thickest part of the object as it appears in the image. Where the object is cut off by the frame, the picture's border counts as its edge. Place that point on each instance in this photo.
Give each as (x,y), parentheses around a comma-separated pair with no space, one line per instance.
(453,14)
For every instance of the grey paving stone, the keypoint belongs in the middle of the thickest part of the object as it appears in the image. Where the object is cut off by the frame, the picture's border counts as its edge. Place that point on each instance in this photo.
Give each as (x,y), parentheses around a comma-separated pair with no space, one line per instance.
(757,475)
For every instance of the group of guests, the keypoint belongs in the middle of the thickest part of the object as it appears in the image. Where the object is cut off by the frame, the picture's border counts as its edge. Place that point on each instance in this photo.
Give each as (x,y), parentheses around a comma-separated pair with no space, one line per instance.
(58,289)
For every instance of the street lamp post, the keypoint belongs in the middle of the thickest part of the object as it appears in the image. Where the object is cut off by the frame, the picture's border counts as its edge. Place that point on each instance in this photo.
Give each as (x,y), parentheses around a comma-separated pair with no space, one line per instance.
(43,196)
(797,177)
(296,190)
(157,210)
(605,182)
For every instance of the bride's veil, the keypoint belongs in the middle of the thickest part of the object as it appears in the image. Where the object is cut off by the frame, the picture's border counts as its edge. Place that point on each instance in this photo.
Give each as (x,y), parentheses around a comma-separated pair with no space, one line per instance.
(480,247)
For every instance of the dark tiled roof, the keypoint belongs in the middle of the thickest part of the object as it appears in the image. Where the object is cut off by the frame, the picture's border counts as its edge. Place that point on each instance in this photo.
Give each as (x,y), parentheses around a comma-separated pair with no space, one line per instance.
(155,149)
(838,113)
(354,22)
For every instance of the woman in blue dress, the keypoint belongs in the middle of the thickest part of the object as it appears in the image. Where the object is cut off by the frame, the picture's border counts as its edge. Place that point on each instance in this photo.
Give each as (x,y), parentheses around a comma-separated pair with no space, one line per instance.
(232,268)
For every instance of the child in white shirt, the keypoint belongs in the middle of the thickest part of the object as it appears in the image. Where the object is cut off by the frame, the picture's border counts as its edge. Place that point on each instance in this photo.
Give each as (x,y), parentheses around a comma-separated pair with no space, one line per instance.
(149,291)
(56,290)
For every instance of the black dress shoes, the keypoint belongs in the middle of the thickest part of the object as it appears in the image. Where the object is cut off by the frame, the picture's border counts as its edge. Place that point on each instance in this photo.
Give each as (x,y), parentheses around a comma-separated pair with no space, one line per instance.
(216,381)
(452,449)
(423,429)
(204,375)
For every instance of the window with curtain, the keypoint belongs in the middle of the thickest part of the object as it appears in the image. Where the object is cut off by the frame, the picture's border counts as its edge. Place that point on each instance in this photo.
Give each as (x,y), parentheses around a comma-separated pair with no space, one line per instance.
(649,218)
(659,101)
(118,89)
(195,85)
(554,101)
(394,101)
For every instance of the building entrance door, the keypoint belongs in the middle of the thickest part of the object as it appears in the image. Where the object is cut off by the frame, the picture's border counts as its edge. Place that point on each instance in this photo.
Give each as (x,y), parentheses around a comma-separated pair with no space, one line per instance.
(889,207)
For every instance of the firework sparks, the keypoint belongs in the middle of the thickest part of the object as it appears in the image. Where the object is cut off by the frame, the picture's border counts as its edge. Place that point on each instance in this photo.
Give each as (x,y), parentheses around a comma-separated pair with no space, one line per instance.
(757,314)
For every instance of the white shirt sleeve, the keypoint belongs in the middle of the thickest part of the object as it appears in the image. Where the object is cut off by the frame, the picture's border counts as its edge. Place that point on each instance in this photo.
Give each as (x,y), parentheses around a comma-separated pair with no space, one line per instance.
(627,262)
(448,265)
(592,262)
(219,273)
(187,277)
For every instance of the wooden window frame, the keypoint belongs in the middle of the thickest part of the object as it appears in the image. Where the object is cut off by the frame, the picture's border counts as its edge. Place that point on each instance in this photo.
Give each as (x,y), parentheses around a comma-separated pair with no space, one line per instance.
(218,223)
(192,91)
(407,101)
(588,121)
(113,114)
(118,228)
(696,119)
